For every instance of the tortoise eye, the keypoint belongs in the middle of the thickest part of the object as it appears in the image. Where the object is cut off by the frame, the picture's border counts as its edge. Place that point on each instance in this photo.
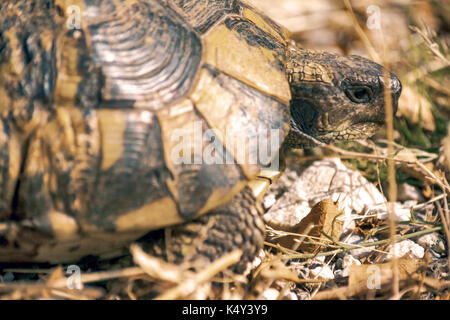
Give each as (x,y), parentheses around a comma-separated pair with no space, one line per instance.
(359,94)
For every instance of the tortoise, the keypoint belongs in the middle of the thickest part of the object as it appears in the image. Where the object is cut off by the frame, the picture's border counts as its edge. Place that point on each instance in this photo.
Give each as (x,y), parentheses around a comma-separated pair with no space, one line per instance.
(101,107)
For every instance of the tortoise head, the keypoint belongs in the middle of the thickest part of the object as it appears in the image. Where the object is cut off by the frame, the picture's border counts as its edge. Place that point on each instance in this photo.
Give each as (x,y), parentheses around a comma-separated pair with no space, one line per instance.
(336,97)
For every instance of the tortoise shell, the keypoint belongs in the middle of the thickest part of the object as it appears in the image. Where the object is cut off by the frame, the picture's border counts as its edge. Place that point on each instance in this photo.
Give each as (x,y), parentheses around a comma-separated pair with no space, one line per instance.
(96,96)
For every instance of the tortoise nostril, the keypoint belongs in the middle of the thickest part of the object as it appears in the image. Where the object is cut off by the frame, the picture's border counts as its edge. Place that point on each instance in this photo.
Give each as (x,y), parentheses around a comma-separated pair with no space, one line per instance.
(394,85)
(396,88)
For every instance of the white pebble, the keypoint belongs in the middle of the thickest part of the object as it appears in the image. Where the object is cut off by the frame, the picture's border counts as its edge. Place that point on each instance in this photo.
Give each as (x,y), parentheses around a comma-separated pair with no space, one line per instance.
(408,192)
(363,251)
(290,296)
(401,212)
(428,240)
(323,272)
(269,201)
(270,294)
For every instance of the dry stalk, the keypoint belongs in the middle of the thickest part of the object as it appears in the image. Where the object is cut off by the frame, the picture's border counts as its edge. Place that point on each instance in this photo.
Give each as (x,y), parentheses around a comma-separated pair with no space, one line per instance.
(432,45)
(187,286)
(390,134)
(346,247)
(157,268)
(391,176)
(370,49)
(102,276)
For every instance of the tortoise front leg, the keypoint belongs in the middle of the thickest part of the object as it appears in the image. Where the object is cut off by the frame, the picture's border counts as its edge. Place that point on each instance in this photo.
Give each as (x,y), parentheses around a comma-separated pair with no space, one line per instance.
(237,224)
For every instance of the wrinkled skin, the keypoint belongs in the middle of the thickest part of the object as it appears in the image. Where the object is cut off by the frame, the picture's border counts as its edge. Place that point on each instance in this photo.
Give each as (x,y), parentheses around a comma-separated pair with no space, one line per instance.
(336,97)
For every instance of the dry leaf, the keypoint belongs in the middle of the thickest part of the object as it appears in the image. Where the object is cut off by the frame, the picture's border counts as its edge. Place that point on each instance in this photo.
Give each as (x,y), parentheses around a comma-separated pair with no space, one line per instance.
(321,219)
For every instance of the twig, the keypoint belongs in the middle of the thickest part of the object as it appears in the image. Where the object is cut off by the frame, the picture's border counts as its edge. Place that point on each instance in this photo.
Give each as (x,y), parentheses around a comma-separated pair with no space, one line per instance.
(372,52)
(425,170)
(157,268)
(422,205)
(102,276)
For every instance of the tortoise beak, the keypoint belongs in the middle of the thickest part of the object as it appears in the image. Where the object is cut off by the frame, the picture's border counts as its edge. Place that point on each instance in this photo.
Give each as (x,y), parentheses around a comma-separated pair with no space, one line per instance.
(395,86)
(396,89)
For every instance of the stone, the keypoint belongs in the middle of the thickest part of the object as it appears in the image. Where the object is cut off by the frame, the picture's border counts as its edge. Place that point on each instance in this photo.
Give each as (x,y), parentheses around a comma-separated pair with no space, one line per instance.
(322,272)
(408,192)
(406,247)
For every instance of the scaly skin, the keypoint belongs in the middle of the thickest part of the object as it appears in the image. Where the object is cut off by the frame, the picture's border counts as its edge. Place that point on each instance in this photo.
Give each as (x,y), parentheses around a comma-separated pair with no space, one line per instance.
(335,97)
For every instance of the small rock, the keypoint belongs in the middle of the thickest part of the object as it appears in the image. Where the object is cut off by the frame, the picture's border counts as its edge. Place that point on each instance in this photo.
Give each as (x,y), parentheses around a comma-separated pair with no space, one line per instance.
(338,263)
(408,192)
(290,296)
(363,251)
(256,262)
(428,240)
(270,294)
(338,273)
(291,175)
(348,261)
(323,272)
(318,259)
(303,295)
(402,212)
(406,247)
(432,241)
(269,201)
